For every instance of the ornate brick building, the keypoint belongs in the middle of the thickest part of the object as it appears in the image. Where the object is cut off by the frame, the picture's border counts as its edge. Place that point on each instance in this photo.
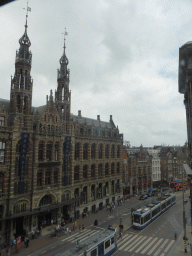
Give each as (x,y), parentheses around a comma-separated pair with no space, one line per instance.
(53,164)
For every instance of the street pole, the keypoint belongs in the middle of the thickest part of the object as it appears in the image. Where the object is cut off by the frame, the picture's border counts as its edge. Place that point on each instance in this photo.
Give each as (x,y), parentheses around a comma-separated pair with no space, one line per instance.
(184,221)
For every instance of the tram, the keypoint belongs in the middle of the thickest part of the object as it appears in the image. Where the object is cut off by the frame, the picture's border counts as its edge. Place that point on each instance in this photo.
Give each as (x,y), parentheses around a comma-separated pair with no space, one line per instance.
(104,243)
(146,214)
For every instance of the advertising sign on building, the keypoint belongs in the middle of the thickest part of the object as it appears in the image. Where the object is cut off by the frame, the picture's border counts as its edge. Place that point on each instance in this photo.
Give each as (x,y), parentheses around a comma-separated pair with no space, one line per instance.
(18,244)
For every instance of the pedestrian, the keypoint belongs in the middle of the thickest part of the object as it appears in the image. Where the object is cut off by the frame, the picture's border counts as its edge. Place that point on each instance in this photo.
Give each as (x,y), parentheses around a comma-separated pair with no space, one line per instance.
(9,252)
(33,234)
(79,228)
(73,226)
(52,222)
(83,227)
(67,231)
(121,235)
(25,242)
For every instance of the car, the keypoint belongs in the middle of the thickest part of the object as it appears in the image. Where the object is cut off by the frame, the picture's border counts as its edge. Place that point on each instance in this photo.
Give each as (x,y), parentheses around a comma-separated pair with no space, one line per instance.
(149,194)
(143,197)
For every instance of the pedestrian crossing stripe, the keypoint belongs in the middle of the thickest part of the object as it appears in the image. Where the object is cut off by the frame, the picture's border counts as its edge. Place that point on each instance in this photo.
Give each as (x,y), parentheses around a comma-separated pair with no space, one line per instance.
(144,245)
(151,246)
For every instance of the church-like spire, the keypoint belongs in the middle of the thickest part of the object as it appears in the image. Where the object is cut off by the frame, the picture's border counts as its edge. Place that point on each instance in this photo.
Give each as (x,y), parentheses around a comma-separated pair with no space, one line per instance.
(23,53)
(64,72)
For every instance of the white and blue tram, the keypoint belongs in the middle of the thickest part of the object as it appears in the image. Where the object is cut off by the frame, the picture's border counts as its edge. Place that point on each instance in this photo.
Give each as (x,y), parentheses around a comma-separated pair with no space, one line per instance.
(144,215)
(103,243)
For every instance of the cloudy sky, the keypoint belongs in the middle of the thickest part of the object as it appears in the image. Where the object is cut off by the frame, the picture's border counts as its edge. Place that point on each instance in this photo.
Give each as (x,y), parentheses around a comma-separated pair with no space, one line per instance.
(123,60)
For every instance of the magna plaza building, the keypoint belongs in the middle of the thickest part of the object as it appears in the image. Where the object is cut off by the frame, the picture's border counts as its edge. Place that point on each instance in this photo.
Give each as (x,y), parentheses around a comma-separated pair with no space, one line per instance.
(53,165)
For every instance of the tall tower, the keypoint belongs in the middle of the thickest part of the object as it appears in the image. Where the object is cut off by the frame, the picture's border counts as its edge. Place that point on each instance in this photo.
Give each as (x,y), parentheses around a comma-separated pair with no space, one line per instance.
(62,94)
(21,83)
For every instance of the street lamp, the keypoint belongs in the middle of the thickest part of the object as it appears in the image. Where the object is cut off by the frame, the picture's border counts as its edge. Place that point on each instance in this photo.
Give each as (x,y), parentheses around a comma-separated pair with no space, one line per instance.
(184,221)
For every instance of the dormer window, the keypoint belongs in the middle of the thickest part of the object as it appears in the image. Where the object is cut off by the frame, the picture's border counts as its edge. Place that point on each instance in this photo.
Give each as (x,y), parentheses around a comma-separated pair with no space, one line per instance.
(2,121)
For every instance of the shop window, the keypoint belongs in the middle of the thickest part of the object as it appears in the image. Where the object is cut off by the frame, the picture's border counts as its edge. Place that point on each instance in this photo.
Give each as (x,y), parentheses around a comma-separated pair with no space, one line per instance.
(2,121)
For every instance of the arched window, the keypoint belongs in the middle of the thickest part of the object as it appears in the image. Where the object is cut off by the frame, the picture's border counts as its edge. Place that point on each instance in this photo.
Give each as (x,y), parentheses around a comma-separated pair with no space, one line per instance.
(92,171)
(85,151)
(112,168)
(118,151)
(100,170)
(47,178)
(49,151)
(18,147)
(15,188)
(2,120)
(107,151)
(46,200)
(93,148)
(18,103)
(100,151)
(40,151)
(76,173)
(85,171)
(39,178)
(77,148)
(118,167)
(55,177)
(106,169)
(25,101)
(2,152)
(112,151)
(56,152)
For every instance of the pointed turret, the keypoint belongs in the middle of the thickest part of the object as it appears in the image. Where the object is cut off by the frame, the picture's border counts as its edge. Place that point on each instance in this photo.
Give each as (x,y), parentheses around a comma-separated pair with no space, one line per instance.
(21,83)
(62,94)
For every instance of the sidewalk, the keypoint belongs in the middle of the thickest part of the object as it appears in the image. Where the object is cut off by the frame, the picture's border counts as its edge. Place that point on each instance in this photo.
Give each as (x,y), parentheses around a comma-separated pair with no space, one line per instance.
(178,248)
(45,238)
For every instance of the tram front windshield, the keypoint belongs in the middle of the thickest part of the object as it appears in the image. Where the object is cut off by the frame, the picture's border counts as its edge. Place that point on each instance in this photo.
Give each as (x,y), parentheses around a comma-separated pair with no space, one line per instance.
(136,218)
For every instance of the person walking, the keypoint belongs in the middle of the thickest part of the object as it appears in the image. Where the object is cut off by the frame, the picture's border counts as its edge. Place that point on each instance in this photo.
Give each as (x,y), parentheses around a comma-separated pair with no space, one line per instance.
(52,222)
(67,231)
(121,235)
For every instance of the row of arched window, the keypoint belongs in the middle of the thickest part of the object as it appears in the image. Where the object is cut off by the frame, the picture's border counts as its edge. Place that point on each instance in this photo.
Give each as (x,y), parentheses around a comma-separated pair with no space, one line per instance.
(103,170)
(21,207)
(95,132)
(99,148)
(49,151)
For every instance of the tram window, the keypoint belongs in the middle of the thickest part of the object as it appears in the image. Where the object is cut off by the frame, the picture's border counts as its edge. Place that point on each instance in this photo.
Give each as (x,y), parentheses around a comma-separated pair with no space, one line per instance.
(142,220)
(137,218)
(163,206)
(101,250)
(156,211)
(107,244)
(112,240)
(147,217)
(168,202)
(94,252)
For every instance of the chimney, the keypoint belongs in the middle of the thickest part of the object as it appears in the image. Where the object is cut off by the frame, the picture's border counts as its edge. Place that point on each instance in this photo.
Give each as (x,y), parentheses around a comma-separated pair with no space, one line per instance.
(111,118)
(98,117)
(79,113)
